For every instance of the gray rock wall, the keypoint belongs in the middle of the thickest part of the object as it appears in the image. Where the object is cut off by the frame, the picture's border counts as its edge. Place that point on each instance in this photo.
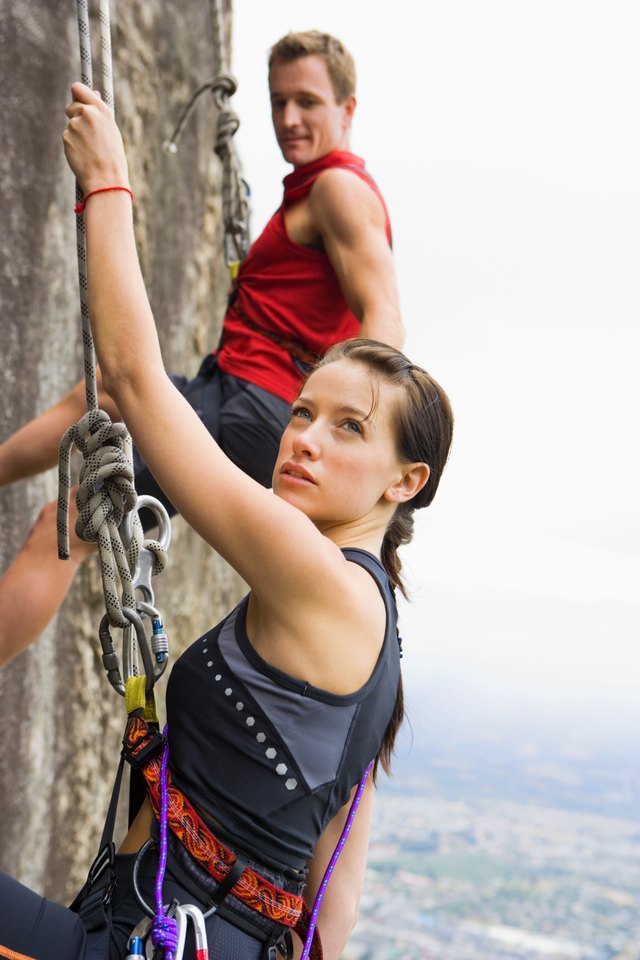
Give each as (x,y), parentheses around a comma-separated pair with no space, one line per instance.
(61,723)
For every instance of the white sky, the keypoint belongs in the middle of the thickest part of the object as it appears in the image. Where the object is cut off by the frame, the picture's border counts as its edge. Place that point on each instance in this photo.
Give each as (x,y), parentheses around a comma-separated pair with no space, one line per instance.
(505,137)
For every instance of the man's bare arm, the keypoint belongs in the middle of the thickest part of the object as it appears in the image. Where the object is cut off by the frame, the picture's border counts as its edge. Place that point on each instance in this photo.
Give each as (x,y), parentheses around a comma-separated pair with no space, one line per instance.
(350,218)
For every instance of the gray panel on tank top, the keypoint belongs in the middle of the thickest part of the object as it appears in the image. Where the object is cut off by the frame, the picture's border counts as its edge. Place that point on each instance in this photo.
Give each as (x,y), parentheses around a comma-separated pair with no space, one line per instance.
(313,732)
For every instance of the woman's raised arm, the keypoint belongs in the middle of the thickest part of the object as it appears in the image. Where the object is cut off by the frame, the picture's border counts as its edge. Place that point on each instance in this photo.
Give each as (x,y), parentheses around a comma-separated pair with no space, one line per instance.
(274,546)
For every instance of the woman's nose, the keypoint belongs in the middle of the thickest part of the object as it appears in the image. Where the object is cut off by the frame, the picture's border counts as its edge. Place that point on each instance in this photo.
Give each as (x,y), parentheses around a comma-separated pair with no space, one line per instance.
(306,442)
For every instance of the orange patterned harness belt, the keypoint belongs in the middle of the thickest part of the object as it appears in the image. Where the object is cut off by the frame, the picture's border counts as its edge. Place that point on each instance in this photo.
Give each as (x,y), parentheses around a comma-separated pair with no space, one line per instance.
(187,825)
(12,955)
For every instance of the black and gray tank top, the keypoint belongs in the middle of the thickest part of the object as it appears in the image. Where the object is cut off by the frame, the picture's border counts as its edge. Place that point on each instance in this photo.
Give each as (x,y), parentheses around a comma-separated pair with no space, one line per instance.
(272,759)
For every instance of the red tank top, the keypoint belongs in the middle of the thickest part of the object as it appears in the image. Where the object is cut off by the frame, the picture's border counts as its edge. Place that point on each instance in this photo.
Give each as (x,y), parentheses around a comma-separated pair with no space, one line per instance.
(290,292)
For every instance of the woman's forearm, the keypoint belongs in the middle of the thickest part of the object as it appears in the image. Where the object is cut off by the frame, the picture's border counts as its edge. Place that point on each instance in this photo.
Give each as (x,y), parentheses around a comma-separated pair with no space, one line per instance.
(122,323)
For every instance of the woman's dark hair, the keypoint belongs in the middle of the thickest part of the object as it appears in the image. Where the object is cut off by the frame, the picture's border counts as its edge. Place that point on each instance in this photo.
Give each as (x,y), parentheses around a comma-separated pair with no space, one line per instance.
(423,428)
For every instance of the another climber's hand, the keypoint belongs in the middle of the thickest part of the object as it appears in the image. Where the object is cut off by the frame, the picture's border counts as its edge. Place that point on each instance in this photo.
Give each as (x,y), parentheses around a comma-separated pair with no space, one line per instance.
(92,142)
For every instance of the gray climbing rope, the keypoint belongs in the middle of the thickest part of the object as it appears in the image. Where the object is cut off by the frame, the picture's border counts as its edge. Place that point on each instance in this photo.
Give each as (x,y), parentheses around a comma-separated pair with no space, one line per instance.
(235,203)
(106,493)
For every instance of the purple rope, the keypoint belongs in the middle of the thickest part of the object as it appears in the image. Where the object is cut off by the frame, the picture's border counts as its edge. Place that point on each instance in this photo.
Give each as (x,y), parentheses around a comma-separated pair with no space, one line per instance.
(334,859)
(164,930)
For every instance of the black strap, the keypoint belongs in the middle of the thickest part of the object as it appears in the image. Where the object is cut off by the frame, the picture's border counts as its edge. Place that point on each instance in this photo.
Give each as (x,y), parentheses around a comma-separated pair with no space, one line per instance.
(304,358)
(93,903)
(247,920)
(225,886)
(110,822)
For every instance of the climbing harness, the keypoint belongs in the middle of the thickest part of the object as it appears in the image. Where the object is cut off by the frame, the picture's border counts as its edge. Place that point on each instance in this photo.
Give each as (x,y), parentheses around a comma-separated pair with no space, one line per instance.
(147,750)
(108,508)
(167,930)
(143,745)
(235,192)
(302,356)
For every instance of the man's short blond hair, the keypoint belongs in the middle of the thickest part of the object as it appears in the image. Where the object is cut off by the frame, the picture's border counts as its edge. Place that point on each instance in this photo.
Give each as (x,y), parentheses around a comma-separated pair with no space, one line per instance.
(340,65)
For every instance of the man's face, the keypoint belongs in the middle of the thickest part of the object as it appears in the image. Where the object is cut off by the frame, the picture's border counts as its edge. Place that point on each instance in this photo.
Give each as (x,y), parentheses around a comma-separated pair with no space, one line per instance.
(308,122)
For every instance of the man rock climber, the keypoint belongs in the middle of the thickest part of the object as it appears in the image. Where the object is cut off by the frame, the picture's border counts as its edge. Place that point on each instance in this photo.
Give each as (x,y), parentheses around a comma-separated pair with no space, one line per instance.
(322,271)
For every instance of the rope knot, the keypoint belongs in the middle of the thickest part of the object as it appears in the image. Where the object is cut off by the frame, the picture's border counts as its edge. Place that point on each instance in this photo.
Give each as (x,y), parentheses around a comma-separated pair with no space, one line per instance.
(164,934)
(105,494)
(160,556)
(223,85)
(106,491)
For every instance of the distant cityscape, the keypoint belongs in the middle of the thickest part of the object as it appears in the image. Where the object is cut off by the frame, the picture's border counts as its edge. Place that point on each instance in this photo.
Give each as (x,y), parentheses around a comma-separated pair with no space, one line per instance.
(497,848)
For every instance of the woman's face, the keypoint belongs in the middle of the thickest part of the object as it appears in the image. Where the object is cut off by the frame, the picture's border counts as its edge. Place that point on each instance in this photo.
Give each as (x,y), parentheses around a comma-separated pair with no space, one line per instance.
(338,454)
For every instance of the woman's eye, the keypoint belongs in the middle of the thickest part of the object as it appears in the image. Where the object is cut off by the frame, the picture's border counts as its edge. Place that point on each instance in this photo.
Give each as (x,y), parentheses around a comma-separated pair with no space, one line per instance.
(353,426)
(301,413)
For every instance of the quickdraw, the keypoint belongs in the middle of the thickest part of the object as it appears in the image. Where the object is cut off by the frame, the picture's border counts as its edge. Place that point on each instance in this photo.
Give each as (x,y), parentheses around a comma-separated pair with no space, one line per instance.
(154,653)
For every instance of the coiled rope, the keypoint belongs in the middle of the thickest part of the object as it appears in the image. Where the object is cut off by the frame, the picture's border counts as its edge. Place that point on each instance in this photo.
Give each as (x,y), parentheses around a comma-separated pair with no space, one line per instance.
(106,491)
(235,193)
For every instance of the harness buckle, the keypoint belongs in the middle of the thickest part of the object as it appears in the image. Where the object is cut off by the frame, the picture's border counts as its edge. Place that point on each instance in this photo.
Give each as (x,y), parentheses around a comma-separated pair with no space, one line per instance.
(94,909)
(141,742)
(102,862)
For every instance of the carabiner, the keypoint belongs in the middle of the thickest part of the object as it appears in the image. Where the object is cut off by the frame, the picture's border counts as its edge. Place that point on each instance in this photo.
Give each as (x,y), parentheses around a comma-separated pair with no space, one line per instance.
(200,929)
(148,909)
(155,653)
(142,933)
(134,633)
(141,576)
(159,639)
(110,658)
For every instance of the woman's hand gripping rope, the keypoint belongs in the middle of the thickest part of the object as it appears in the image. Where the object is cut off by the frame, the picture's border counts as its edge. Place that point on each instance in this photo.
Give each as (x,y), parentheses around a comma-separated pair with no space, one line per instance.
(92,142)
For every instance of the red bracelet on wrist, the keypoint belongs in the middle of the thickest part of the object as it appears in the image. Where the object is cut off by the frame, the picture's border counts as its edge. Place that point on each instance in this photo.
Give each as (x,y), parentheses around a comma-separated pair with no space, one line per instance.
(79,207)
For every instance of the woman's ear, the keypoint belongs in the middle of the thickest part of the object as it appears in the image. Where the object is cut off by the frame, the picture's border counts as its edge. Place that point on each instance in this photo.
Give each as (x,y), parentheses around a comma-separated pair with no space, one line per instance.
(414,477)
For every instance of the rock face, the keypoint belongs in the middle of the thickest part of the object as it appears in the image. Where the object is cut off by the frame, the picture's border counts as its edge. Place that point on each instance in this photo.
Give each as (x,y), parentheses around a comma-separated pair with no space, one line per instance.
(61,722)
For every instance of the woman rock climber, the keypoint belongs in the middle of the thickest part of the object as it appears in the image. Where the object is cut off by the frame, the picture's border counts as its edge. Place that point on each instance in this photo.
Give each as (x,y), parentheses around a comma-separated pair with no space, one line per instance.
(331,232)
(273,715)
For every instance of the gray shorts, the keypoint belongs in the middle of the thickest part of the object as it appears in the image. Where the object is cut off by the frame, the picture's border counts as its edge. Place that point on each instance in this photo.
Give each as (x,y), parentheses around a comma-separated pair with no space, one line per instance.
(244,419)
